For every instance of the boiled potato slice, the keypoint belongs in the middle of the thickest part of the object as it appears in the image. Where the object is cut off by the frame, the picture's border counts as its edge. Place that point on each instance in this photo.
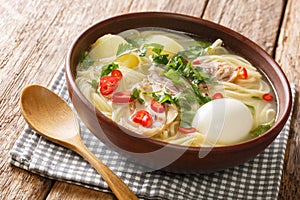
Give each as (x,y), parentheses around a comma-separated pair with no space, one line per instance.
(106,46)
(171,47)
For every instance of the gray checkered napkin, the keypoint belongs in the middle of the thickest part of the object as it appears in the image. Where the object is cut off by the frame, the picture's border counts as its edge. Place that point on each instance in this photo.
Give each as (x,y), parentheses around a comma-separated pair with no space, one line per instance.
(258,178)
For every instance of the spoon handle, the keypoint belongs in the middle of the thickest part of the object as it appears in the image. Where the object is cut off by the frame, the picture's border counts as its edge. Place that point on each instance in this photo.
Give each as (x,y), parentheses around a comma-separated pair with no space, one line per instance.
(118,187)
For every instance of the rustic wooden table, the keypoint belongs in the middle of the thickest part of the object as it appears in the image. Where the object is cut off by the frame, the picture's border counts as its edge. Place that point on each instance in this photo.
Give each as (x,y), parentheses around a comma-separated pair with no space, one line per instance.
(35,36)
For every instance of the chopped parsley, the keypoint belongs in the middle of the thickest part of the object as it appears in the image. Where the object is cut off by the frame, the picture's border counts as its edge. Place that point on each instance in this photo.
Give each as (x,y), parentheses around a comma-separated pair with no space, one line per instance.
(157,56)
(256,97)
(262,128)
(167,98)
(186,119)
(195,76)
(251,108)
(124,48)
(107,69)
(164,98)
(85,60)
(94,84)
(192,52)
(160,59)
(135,94)
(204,44)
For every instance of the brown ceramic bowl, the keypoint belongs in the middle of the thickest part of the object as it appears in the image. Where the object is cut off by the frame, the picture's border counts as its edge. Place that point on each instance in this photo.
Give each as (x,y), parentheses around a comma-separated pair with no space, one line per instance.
(156,154)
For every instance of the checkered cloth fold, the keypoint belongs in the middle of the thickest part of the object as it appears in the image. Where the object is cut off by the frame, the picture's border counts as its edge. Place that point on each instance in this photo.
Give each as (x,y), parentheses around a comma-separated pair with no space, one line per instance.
(258,178)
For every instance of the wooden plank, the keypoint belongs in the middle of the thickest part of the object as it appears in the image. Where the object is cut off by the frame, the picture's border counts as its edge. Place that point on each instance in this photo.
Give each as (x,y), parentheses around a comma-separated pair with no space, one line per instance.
(62,190)
(19,42)
(19,184)
(288,56)
(257,20)
(35,37)
(188,7)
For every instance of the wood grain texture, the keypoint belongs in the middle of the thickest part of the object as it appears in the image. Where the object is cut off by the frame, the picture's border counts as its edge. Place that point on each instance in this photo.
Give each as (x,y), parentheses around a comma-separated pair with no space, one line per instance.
(257,20)
(35,37)
(288,56)
(64,191)
(189,7)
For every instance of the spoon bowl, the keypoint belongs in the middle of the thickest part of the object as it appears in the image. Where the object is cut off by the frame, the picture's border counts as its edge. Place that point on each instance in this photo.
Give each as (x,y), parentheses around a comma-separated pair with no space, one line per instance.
(52,118)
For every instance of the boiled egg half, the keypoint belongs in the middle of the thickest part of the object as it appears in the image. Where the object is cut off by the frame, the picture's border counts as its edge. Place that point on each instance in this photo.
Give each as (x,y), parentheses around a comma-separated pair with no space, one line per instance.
(225,121)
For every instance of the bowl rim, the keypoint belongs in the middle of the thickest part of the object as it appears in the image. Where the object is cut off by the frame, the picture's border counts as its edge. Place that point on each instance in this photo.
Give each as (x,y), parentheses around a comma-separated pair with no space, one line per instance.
(279,123)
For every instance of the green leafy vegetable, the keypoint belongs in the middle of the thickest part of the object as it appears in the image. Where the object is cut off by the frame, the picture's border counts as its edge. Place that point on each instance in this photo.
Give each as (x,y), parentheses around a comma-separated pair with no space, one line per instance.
(85,60)
(174,76)
(142,51)
(195,76)
(124,48)
(186,119)
(168,98)
(256,97)
(157,56)
(195,51)
(262,128)
(135,42)
(251,108)
(160,59)
(156,48)
(192,52)
(107,69)
(162,98)
(136,95)
(204,44)
(94,84)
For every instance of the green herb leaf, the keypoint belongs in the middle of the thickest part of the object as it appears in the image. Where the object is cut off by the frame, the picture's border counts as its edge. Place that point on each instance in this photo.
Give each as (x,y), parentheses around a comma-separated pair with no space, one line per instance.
(174,76)
(256,97)
(194,76)
(192,52)
(161,59)
(107,69)
(124,48)
(135,42)
(85,60)
(135,94)
(157,56)
(166,98)
(186,119)
(142,51)
(204,44)
(156,48)
(251,108)
(94,83)
(262,128)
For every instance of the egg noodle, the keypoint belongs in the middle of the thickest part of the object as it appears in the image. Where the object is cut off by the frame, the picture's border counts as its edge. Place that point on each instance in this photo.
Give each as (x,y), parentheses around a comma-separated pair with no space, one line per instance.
(230,75)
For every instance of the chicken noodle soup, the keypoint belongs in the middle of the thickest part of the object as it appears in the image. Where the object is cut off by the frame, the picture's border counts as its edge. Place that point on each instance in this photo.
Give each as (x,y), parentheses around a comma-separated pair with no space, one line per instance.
(166,85)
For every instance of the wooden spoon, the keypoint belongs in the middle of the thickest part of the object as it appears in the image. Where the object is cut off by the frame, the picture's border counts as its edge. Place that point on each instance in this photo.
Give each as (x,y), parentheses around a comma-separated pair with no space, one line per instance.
(53,119)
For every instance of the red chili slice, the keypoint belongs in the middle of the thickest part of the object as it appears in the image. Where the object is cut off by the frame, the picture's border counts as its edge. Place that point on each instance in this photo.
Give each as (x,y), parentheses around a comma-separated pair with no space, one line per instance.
(217,95)
(122,97)
(117,73)
(157,107)
(196,62)
(107,79)
(267,97)
(143,118)
(108,84)
(186,130)
(242,72)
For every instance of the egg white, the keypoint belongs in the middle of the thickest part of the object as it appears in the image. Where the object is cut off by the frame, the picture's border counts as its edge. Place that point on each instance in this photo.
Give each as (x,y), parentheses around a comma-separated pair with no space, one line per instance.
(224,120)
